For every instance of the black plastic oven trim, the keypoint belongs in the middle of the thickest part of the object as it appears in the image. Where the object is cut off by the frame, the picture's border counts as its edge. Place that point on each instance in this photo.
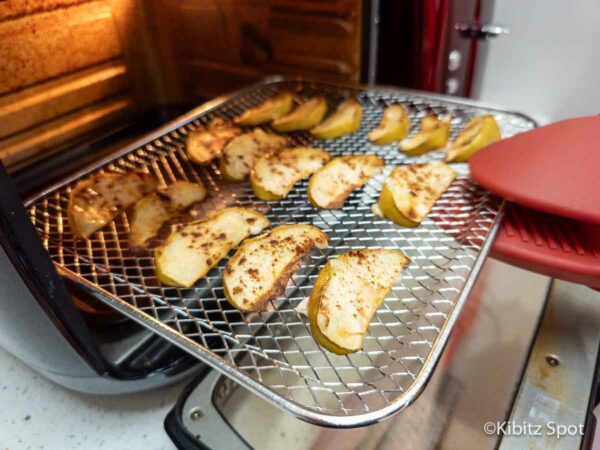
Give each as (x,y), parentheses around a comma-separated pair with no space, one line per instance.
(23,247)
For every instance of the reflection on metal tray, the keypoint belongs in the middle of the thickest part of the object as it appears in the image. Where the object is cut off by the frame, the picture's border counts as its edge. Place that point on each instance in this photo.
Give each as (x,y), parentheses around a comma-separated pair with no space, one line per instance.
(273,353)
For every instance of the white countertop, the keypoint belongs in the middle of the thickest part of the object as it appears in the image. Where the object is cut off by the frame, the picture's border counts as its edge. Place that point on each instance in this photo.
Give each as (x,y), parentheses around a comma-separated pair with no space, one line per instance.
(38,414)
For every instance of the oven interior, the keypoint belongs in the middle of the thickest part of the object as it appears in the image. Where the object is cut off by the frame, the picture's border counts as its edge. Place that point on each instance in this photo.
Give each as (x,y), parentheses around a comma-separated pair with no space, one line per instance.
(73,68)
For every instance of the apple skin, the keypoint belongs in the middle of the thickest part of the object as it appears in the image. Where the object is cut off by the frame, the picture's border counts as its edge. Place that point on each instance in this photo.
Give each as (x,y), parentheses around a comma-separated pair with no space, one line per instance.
(388,208)
(433,139)
(390,129)
(313,308)
(487,134)
(345,120)
(271,109)
(304,117)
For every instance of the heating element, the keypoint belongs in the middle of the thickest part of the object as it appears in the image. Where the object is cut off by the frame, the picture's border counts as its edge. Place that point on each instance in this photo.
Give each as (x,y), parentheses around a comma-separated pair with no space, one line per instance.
(273,353)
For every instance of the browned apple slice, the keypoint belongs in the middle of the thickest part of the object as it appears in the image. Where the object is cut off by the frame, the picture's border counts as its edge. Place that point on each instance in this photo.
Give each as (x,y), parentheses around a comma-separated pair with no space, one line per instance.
(274,176)
(271,109)
(345,120)
(195,248)
(205,144)
(306,116)
(433,135)
(410,192)
(152,211)
(97,200)
(243,151)
(478,133)
(262,266)
(347,293)
(394,125)
(330,186)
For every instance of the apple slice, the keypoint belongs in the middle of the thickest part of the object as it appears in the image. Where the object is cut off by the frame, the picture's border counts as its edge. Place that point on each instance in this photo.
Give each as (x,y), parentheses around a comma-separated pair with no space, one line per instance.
(345,120)
(97,200)
(262,266)
(479,132)
(152,211)
(271,109)
(205,144)
(304,117)
(243,151)
(430,122)
(195,248)
(394,126)
(434,134)
(331,185)
(274,176)
(348,292)
(410,192)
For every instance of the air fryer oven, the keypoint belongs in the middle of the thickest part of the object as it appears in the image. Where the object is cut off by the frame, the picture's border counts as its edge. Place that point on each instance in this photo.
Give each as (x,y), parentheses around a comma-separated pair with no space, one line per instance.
(80,80)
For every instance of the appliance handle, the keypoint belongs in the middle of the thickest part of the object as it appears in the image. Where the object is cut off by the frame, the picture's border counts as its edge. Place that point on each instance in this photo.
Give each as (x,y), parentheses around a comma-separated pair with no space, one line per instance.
(477,31)
(217,431)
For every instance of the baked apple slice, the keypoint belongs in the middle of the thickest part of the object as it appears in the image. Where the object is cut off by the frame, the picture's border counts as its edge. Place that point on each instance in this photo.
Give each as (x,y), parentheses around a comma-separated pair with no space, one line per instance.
(394,126)
(330,186)
(243,151)
(152,211)
(97,200)
(345,120)
(269,110)
(410,192)
(306,116)
(262,266)
(274,176)
(434,134)
(479,132)
(348,292)
(205,144)
(194,248)
(430,122)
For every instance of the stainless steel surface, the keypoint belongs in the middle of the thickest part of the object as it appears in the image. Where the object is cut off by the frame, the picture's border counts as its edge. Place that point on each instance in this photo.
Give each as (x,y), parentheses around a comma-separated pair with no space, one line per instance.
(407,334)
(477,31)
(373,39)
(205,421)
(558,379)
(474,383)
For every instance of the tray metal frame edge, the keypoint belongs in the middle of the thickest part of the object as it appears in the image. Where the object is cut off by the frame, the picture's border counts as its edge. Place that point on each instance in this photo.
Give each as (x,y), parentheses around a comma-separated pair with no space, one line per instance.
(216,362)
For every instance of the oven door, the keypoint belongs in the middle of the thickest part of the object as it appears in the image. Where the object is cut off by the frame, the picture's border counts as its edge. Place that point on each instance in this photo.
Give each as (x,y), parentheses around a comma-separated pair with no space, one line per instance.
(525,351)
(51,324)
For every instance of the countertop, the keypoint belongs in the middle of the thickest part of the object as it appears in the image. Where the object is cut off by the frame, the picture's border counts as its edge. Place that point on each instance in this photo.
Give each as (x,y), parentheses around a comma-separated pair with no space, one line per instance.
(38,414)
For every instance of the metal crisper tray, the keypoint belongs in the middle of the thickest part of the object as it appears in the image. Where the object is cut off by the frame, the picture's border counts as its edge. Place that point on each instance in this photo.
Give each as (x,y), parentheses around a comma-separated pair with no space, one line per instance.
(273,353)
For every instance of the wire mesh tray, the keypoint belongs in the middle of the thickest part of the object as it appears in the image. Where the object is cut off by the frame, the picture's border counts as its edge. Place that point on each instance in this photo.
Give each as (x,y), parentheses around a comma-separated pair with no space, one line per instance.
(273,353)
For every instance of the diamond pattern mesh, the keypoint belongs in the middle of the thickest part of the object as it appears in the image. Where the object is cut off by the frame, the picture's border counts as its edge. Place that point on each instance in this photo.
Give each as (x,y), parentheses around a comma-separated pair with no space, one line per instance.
(276,347)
